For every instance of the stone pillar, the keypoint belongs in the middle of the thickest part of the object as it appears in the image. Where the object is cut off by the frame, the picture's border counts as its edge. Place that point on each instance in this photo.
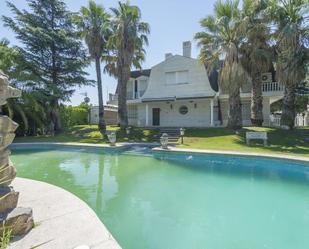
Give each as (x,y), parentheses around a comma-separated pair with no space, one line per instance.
(147,115)
(211,112)
(18,220)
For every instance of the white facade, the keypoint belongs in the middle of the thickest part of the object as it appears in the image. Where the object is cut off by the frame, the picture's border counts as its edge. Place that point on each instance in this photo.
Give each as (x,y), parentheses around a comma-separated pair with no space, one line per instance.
(198,115)
(177,93)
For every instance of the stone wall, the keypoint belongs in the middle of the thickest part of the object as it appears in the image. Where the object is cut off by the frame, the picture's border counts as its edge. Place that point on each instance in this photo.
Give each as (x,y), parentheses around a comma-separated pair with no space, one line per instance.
(18,220)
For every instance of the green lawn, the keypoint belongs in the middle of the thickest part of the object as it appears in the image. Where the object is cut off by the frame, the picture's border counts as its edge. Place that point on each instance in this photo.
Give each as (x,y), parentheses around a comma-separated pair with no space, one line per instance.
(280,141)
(91,134)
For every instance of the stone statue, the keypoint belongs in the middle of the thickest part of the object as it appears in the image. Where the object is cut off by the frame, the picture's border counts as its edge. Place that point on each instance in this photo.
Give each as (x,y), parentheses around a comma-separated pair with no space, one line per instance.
(18,220)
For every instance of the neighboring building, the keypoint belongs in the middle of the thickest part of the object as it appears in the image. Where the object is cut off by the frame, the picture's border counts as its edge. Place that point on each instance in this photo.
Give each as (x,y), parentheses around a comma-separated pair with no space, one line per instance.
(178,93)
(110,115)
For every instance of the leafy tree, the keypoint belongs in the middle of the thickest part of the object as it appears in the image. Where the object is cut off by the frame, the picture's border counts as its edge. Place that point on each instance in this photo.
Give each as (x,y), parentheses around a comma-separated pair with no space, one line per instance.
(8,56)
(27,110)
(129,35)
(74,115)
(53,54)
(221,38)
(291,37)
(94,24)
(256,53)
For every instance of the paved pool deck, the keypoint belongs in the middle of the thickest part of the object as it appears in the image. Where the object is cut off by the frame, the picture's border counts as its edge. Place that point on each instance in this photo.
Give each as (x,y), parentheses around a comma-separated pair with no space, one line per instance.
(172,148)
(62,220)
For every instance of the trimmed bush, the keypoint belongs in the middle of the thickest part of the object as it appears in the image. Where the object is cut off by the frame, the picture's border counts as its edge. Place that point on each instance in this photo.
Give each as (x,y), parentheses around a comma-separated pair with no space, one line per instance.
(74,115)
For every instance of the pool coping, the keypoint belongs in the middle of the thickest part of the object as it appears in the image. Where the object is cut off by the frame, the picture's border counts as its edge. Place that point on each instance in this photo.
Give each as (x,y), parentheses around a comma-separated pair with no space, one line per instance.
(57,213)
(117,145)
(173,149)
(232,153)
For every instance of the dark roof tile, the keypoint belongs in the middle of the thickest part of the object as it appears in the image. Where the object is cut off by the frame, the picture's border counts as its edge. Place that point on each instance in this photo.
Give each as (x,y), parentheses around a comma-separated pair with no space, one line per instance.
(138,73)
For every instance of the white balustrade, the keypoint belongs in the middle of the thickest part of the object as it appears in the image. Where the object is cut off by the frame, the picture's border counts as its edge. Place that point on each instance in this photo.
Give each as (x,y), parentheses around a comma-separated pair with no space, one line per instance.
(272,87)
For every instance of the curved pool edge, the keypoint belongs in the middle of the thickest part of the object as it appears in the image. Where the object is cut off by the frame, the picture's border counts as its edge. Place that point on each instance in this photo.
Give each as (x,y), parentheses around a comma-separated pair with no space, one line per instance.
(233,153)
(63,220)
(117,146)
(172,149)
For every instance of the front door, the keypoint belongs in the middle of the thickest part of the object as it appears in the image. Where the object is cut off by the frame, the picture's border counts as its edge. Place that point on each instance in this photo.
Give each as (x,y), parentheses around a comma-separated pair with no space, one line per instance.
(155,116)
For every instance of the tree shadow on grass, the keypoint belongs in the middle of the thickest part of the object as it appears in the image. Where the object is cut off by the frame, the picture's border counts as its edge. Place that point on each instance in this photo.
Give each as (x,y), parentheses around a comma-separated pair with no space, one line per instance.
(279,140)
(208,132)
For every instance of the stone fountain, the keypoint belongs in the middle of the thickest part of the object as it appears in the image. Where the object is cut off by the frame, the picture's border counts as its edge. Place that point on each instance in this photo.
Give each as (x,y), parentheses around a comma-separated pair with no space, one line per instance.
(17,219)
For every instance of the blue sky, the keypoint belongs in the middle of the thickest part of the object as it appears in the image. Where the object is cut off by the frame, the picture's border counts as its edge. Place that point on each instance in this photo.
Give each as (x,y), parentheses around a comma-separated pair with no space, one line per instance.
(171,23)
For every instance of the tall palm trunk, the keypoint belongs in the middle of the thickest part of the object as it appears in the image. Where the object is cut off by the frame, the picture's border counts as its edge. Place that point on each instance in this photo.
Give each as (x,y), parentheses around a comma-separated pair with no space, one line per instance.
(232,75)
(235,115)
(124,75)
(102,125)
(290,75)
(257,100)
(288,109)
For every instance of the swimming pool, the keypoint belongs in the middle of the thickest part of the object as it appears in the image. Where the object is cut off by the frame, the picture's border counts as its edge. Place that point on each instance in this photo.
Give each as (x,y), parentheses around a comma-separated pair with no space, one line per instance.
(172,200)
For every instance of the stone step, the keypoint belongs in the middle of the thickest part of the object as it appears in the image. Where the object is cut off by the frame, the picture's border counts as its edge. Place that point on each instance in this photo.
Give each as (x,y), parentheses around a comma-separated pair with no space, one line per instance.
(171,139)
(172,132)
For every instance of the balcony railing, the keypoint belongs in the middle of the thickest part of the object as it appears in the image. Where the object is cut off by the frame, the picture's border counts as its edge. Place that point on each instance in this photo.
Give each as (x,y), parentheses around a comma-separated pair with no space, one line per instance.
(272,87)
(135,95)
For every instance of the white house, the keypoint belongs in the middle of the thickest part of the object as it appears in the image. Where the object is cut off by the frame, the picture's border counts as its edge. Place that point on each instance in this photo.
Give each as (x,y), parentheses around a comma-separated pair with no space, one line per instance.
(178,93)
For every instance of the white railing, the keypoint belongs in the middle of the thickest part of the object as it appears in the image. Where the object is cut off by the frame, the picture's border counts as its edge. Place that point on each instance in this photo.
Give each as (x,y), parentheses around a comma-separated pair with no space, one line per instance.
(130,96)
(275,120)
(301,119)
(272,87)
(135,95)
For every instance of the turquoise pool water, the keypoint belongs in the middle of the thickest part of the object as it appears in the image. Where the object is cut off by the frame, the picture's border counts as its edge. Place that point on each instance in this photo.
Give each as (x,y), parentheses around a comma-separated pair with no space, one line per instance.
(167,201)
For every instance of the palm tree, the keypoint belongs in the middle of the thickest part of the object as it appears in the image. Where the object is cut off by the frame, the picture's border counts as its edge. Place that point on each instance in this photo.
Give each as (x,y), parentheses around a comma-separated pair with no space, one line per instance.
(256,54)
(220,39)
(127,41)
(94,24)
(30,112)
(292,56)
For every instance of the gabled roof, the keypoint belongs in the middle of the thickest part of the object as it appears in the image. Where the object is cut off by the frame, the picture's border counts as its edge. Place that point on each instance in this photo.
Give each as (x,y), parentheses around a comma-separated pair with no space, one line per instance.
(198,85)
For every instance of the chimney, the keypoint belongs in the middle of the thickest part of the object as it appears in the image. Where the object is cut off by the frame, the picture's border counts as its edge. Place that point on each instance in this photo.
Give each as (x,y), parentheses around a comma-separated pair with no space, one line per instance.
(186,48)
(168,55)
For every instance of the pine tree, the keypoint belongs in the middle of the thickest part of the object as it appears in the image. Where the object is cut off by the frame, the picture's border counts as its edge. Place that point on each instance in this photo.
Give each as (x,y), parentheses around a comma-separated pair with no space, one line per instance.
(52,50)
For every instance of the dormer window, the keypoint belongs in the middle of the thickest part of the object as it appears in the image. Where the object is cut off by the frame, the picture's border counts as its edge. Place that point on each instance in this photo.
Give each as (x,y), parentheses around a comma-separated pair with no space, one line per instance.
(178,77)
